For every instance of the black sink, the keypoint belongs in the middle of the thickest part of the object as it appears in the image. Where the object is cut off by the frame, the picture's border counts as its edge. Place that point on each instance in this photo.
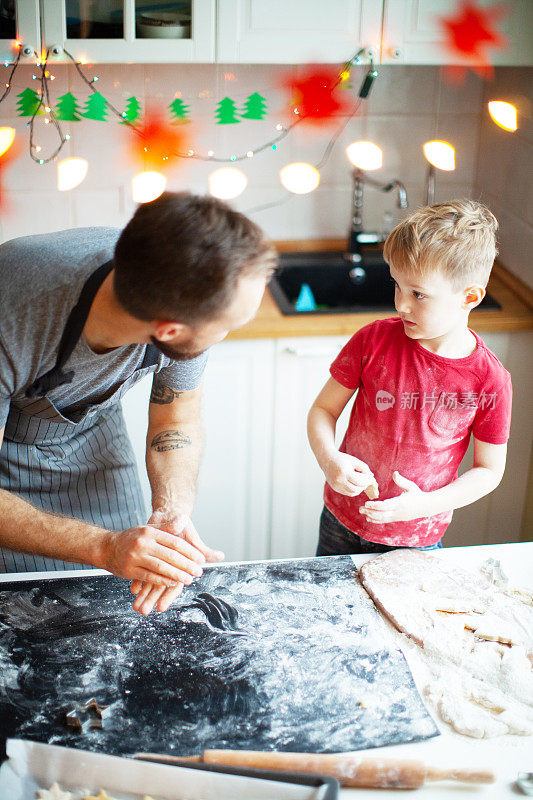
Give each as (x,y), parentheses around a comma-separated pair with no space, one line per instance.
(338,285)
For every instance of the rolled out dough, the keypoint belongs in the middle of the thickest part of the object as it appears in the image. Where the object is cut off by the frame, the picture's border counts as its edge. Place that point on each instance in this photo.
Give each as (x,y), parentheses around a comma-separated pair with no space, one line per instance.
(475,638)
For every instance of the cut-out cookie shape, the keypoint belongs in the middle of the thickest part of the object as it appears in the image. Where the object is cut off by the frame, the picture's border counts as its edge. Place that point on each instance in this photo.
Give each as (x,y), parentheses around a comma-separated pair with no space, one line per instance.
(55,792)
(84,717)
(102,796)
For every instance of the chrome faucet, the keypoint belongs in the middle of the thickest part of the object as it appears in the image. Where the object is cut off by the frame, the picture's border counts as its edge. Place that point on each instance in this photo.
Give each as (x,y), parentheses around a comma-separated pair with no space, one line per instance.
(356,227)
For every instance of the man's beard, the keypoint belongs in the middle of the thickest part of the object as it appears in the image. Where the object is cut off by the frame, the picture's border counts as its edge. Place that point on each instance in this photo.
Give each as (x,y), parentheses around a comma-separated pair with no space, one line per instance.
(176,352)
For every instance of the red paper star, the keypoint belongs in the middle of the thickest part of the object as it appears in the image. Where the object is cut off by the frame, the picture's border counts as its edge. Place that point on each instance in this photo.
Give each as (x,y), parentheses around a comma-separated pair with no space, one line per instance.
(316,96)
(470,32)
(155,144)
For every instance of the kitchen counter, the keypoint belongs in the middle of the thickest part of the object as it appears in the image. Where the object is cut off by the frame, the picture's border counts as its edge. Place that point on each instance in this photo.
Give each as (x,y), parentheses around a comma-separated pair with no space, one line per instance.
(507,755)
(515,298)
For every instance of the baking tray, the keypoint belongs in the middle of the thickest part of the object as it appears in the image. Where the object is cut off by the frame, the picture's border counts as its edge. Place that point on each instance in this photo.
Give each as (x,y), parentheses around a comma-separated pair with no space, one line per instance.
(32,766)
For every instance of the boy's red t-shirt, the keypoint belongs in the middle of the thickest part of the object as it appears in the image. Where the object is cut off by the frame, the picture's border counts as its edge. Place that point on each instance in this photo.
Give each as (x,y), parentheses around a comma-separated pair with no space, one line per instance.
(414,413)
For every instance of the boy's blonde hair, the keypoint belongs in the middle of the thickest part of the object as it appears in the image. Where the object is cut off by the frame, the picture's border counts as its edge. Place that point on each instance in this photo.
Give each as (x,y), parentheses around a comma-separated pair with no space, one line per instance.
(458,238)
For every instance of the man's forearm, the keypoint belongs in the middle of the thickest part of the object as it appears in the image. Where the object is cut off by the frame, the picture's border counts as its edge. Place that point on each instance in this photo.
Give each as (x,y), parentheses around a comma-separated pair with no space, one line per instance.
(471,486)
(172,461)
(30,530)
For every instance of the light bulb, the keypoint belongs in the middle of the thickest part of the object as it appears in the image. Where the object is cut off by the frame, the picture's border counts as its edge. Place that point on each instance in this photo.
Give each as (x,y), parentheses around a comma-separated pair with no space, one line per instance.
(7,137)
(440,155)
(146,186)
(365,155)
(299,178)
(503,114)
(71,172)
(227,183)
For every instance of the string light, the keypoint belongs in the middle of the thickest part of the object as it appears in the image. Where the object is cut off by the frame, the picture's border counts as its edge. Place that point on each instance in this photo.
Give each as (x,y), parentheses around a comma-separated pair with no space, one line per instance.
(7,137)
(227,183)
(281,130)
(147,186)
(299,178)
(71,172)
(503,114)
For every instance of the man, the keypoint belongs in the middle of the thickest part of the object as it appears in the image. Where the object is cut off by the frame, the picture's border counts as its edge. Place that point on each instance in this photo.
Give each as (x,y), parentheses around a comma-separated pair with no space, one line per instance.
(85,314)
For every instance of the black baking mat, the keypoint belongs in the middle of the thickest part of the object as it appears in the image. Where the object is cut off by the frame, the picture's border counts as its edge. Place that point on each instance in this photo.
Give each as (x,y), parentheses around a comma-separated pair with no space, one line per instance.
(287,655)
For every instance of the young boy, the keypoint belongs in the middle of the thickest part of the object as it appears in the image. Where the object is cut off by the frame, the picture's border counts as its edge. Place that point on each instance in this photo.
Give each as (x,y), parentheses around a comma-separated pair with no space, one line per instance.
(424,383)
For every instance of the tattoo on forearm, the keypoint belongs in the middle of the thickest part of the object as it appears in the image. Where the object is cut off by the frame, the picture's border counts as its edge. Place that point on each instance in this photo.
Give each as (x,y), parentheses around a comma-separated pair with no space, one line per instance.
(163,395)
(169,440)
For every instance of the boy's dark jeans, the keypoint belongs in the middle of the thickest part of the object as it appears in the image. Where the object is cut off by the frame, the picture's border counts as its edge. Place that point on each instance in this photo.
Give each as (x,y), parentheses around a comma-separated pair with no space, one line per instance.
(337,540)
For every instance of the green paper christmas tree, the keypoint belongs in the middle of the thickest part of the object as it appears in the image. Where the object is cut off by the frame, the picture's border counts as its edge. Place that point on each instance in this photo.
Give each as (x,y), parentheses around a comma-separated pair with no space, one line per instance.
(96,107)
(132,112)
(179,111)
(255,107)
(67,108)
(226,112)
(28,103)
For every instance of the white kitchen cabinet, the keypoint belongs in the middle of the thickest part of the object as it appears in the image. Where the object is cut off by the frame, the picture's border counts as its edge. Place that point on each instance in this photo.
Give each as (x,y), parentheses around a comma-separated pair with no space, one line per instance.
(254,31)
(21,22)
(299,31)
(75,25)
(412,34)
(302,367)
(232,511)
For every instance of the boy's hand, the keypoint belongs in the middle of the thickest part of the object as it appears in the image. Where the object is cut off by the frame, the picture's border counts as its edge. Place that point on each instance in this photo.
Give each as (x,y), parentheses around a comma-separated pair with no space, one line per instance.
(180,524)
(348,475)
(411,504)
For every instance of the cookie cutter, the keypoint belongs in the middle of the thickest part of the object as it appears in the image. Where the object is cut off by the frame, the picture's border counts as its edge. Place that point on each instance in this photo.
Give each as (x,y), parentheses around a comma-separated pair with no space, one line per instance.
(83,717)
(525,783)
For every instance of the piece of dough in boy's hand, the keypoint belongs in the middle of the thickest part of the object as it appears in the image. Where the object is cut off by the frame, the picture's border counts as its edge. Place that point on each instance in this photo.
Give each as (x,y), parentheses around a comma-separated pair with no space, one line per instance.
(372,491)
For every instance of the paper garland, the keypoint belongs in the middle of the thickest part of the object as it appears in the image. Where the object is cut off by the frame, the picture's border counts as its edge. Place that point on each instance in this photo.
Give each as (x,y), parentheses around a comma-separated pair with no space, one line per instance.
(96,108)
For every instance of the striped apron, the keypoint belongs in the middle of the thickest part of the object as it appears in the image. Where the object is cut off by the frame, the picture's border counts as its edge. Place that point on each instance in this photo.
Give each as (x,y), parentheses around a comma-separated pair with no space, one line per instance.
(84,469)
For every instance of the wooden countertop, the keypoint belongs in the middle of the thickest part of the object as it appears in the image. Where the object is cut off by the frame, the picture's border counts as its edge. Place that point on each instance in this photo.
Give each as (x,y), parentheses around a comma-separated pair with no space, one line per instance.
(515,298)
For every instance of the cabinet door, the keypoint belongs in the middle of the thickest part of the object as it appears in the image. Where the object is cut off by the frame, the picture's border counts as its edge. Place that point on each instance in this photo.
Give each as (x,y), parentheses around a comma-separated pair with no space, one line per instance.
(412,34)
(114,31)
(19,22)
(232,510)
(281,32)
(302,368)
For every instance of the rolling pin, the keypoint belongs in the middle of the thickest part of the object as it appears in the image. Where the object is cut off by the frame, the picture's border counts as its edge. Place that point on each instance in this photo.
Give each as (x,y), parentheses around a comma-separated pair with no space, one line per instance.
(350,769)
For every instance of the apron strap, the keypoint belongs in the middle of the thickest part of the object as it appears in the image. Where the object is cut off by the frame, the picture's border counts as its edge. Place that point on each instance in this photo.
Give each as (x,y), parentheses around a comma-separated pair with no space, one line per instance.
(77,318)
(73,329)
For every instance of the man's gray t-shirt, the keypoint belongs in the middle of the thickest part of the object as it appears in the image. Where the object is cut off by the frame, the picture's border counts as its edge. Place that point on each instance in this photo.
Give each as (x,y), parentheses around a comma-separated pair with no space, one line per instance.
(41,278)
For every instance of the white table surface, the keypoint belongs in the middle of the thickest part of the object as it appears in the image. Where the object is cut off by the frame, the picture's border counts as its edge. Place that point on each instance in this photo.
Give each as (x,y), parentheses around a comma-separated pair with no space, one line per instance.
(506,755)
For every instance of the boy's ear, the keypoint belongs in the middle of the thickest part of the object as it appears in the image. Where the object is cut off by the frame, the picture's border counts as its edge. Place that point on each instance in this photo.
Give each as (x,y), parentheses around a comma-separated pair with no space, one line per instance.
(472,296)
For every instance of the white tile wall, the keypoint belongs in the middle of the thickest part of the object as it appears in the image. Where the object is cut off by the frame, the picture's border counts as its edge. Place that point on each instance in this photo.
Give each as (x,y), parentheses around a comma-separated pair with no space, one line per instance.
(407,106)
(504,172)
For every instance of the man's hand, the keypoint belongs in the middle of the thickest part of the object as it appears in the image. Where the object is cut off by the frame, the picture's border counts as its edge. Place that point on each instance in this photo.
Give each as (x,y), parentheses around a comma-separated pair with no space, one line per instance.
(411,504)
(348,475)
(180,526)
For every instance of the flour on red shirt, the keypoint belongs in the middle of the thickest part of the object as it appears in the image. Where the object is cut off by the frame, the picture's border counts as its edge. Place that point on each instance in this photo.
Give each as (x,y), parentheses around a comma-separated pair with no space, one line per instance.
(414,412)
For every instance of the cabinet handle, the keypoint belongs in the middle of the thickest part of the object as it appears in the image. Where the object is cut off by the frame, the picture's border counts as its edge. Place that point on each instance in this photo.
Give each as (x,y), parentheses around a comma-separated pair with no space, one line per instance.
(311,352)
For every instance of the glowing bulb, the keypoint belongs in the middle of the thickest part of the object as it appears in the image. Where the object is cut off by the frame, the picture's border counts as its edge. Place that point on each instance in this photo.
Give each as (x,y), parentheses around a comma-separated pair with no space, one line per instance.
(440,155)
(365,155)
(299,178)
(503,114)
(71,172)
(7,137)
(227,183)
(147,186)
